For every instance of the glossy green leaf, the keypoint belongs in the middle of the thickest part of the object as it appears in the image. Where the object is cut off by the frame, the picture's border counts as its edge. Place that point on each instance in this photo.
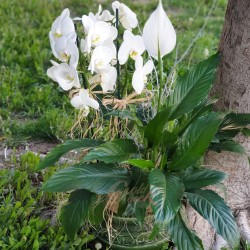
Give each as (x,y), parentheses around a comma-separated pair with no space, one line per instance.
(234,120)
(193,87)
(141,163)
(231,146)
(95,213)
(154,129)
(182,236)
(75,212)
(140,208)
(65,147)
(97,178)
(195,141)
(118,150)
(198,178)
(213,208)
(166,192)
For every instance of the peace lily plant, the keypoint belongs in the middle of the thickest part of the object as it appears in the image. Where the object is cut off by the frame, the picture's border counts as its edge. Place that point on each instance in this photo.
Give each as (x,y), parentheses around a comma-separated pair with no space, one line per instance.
(113,74)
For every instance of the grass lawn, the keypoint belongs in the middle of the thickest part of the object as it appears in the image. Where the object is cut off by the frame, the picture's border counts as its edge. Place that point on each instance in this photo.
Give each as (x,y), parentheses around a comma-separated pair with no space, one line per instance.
(36,114)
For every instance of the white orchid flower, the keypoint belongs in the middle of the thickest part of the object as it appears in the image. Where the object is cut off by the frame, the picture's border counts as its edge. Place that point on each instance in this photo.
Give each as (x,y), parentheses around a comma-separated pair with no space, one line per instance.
(102,15)
(140,75)
(82,100)
(66,51)
(127,17)
(97,32)
(63,26)
(132,46)
(159,34)
(106,78)
(65,75)
(101,59)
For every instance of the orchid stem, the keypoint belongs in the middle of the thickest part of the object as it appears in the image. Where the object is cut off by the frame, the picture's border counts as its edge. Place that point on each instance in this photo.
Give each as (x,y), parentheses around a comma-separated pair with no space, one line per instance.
(160,67)
(117,49)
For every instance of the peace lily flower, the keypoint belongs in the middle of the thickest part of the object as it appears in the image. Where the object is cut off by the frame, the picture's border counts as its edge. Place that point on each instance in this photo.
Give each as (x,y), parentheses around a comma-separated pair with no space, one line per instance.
(66,51)
(82,100)
(140,75)
(65,75)
(106,78)
(132,46)
(127,17)
(63,26)
(101,58)
(159,34)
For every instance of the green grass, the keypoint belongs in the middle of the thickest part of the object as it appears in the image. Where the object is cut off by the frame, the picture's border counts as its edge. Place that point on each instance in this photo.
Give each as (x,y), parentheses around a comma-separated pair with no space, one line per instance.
(31,105)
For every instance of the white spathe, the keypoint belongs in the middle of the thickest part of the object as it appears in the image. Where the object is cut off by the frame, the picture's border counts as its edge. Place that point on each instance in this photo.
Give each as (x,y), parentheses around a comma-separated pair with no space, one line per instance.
(65,75)
(140,75)
(106,78)
(82,100)
(66,50)
(101,58)
(127,17)
(159,34)
(132,46)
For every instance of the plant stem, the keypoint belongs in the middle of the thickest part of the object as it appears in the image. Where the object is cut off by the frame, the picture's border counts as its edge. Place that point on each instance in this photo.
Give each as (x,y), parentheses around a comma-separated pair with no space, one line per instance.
(117,49)
(160,67)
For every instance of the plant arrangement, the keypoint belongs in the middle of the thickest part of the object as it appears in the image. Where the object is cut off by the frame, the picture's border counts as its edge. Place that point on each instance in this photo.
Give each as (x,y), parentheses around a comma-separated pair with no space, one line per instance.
(146,134)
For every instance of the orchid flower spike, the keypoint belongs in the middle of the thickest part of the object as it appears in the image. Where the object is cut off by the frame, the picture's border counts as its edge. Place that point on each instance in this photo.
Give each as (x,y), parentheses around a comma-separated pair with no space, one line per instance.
(132,46)
(159,34)
(82,100)
(127,17)
(65,75)
(140,75)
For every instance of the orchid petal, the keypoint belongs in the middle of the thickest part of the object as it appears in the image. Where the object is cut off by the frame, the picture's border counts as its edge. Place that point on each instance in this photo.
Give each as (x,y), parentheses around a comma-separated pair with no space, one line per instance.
(138,81)
(123,53)
(148,67)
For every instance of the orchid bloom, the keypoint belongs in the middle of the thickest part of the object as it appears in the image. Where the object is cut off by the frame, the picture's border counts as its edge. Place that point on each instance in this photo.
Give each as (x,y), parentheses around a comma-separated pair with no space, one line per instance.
(101,15)
(106,78)
(127,17)
(101,58)
(140,75)
(66,51)
(65,75)
(63,26)
(82,100)
(97,32)
(159,34)
(132,46)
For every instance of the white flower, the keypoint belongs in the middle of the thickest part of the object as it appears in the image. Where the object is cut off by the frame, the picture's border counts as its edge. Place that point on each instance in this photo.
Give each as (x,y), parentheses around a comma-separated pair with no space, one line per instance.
(102,15)
(82,100)
(140,75)
(66,51)
(127,17)
(106,78)
(132,46)
(63,26)
(159,34)
(101,58)
(65,75)
(97,32)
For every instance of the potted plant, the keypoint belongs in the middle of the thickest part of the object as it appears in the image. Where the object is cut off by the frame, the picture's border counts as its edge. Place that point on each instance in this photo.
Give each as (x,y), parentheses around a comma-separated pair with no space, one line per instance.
(142,168)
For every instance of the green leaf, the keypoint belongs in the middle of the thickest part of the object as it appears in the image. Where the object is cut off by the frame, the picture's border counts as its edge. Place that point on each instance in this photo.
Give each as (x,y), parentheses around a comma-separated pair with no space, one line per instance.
(140,163)
(234,120)
(166,192)
(118,150)
(95,213)
(193,87)
(182,236)
(231,146)
(195,141)
(246,131)
(97,178)
(74,213)
(123,114)
(154,129)
(62,149)
(140,208)
(213,208)
(198,178)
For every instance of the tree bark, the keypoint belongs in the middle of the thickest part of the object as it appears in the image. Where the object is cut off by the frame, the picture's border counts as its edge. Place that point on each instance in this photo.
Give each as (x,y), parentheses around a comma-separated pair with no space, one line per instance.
(233,89)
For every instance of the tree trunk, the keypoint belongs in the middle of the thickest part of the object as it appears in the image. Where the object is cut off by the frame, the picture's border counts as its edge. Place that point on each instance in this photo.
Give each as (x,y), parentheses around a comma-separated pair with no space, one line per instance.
(233,88)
